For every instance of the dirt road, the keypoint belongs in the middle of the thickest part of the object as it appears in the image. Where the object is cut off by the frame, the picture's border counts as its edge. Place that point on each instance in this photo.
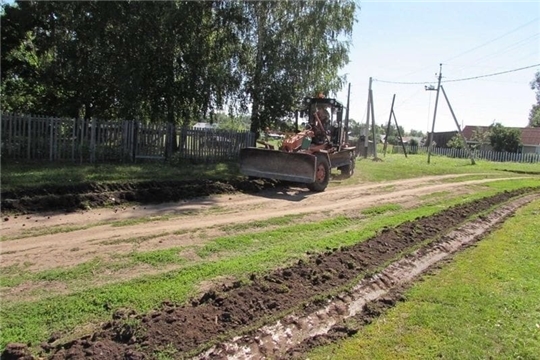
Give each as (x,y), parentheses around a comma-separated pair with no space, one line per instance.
(236,309)
(52,240)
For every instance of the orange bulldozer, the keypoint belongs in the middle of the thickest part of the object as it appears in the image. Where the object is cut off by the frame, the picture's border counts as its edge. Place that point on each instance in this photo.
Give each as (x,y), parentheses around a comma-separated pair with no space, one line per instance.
(308,156)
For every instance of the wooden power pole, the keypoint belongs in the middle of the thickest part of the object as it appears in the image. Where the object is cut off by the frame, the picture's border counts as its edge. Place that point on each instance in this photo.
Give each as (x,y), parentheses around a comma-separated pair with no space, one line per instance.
(434,115)
(373,125)
(469,152)
(388,126)
(368,114)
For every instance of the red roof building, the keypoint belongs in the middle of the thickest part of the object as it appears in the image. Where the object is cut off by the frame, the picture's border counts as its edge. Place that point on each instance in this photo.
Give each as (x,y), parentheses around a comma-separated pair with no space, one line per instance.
(530,137)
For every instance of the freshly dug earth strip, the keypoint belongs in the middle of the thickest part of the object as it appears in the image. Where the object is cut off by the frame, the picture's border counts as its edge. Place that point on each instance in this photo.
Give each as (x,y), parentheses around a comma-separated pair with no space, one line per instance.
(233,310)
(81,196)
(278,340)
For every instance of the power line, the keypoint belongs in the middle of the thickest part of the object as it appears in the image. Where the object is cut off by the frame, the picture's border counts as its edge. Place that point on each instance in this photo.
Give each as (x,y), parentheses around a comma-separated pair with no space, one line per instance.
(493,40)
(479,46)
(403,82)
(454,80)
(504,50)
(494,74)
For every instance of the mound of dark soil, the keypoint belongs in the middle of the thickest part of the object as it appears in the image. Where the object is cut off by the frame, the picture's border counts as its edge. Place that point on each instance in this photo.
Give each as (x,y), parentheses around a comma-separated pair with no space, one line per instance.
(91,195)
(232,309)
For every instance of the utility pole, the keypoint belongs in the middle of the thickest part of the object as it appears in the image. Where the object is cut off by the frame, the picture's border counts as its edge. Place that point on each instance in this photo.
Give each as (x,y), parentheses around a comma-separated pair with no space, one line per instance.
(347,115)
(368,114)
(373,125)
(388,126)
(399,134)
(434,115)
(459,128)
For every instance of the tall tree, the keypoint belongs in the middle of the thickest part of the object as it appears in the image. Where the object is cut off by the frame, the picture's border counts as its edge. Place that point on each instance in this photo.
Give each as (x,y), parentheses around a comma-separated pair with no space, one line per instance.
(295,49)
(176,60)
(505,139)
(481,137)
(534,114)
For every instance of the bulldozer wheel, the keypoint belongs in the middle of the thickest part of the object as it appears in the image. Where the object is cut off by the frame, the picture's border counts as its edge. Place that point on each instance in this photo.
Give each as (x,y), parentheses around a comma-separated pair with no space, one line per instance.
(348,170)
(322,175)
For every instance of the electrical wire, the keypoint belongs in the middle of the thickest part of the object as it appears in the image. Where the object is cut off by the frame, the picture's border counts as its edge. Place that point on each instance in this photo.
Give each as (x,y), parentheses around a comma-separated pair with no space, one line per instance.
(403,82)
(494,74)
(477,47)
(511,47)
(493,40)
(454,80)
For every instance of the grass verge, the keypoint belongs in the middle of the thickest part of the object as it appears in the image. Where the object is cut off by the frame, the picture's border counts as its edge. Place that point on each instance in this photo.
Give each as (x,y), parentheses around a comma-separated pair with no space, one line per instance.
(397,167)
(482,305)
(40,174)
(394,167)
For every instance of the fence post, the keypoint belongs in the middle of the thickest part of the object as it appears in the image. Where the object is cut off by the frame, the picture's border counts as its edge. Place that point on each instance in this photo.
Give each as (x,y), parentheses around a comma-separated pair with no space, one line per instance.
(73,135)
(28,151)
(135,129)
(93,141)
(51,139)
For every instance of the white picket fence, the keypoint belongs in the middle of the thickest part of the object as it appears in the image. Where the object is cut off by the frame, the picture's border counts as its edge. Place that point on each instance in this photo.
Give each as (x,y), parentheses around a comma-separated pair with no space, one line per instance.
(27,137)
(477,154)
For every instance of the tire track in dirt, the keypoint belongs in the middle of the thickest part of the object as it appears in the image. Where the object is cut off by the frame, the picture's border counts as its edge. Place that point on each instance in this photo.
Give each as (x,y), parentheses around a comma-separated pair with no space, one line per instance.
(230,203)
(235,308)
(50,251)
(278,339)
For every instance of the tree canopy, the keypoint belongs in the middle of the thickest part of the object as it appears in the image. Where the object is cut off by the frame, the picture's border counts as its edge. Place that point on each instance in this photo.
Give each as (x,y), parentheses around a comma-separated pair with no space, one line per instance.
(534,114)
(178,61)
(504,138)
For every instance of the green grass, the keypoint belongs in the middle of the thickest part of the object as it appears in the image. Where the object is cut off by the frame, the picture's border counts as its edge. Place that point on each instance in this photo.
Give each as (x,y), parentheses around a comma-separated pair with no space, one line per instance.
(158,257)
(277,221)
(41,174)
(483,305)
(88,271)
(394,167)
(235,256)
(381,209)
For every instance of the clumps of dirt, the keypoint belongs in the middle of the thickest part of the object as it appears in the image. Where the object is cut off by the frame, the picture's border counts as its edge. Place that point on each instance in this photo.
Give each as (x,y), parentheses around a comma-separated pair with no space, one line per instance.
(16,351)
(235,308)
(371,311)
(91,195)
(524,172)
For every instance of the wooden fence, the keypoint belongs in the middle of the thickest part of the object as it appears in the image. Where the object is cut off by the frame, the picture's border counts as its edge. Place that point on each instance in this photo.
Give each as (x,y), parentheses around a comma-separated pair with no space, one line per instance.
(25,137)
(477,154)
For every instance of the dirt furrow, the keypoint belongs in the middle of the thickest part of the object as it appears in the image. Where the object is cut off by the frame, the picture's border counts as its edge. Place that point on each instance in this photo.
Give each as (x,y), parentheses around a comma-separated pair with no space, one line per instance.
(279,339)
(231,310)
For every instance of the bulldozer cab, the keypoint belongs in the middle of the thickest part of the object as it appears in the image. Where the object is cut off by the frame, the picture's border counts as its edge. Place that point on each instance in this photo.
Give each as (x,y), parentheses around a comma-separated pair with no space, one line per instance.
(330,114)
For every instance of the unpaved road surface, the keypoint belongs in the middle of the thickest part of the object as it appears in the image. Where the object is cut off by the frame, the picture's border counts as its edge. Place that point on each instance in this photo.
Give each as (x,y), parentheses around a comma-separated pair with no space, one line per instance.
(78,236)
(228,311)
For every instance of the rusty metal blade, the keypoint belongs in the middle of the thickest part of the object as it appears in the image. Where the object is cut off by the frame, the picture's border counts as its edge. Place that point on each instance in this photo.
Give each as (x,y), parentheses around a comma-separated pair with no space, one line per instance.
(279,165)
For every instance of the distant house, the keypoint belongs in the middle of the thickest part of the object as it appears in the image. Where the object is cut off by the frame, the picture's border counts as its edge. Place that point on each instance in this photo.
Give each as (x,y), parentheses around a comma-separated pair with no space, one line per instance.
(530,138)
(440,138)
(469,132)
(407,139)
(204,126)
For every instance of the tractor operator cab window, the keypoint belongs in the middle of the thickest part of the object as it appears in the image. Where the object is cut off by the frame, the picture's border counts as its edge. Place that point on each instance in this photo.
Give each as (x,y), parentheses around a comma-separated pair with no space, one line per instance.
(322,113)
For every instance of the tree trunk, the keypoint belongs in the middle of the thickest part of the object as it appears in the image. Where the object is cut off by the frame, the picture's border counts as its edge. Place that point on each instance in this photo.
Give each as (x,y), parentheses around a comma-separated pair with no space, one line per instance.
(260,13)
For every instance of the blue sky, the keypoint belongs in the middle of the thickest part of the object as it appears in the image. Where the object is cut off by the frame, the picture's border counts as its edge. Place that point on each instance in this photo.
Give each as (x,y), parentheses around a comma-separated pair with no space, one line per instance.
(406,42)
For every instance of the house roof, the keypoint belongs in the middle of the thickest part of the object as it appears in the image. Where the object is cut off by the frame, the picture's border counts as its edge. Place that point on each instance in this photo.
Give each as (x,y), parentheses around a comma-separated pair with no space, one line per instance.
(529,136)
(468,130)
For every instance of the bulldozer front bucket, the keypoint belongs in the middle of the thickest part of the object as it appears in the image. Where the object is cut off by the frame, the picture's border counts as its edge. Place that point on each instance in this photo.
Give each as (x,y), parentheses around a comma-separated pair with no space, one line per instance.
(279,165)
